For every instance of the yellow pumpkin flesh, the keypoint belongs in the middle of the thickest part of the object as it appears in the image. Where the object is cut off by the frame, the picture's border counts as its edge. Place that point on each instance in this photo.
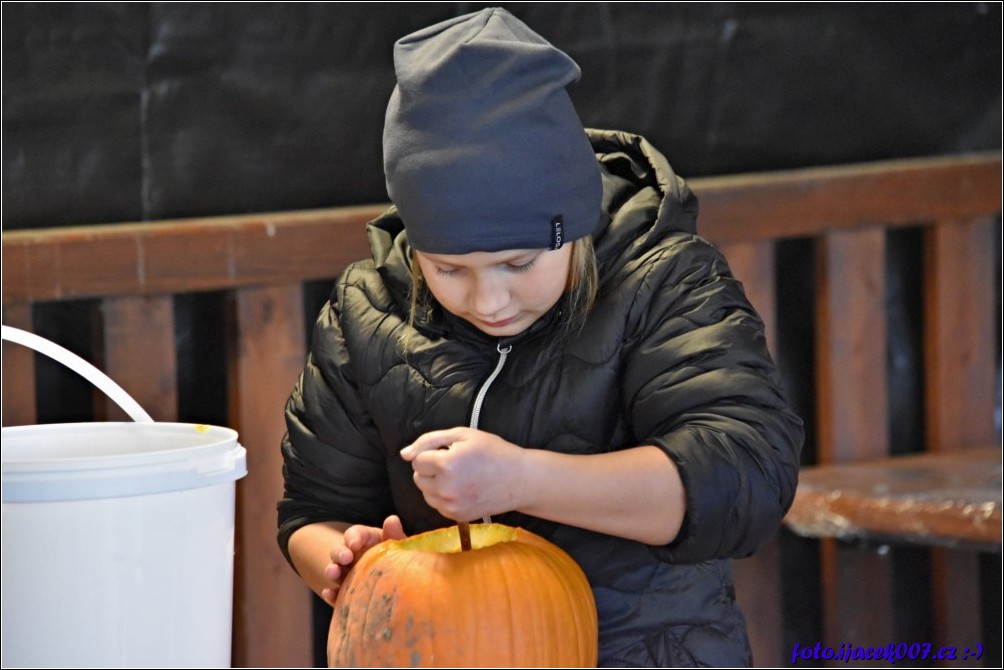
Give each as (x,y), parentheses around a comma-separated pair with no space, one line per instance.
(513,600)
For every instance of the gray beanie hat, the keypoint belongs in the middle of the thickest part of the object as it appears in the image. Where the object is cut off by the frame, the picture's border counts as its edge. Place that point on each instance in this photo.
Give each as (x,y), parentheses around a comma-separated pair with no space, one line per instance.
(483,150)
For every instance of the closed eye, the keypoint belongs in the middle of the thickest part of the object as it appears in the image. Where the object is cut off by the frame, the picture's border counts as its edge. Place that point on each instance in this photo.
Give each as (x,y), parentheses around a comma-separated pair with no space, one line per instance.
(521,267)
(516,266)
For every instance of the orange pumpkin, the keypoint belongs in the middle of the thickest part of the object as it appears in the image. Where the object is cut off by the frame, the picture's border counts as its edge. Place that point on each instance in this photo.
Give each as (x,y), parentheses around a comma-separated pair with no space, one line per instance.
(514,599)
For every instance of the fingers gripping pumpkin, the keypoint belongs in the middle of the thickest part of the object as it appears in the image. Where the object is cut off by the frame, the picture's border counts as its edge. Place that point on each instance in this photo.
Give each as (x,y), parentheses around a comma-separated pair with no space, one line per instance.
(513,600)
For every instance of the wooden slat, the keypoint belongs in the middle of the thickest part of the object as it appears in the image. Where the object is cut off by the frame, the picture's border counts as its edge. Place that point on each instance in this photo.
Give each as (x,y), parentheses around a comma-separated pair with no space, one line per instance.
(960,393)
(226,252)
(272,616)
(182,256)
(851,400)
(19,407)
(139,354)
(956,593)
(808,202)
(959,340)
(851,347)
(859,596)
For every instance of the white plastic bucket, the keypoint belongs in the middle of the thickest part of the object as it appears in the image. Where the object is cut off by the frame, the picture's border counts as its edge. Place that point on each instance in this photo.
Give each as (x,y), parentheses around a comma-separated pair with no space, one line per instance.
(118,544)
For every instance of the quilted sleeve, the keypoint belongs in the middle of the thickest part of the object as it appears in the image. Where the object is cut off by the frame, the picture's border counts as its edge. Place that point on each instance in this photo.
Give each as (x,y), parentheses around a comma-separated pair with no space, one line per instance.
(333,466)
(701,385)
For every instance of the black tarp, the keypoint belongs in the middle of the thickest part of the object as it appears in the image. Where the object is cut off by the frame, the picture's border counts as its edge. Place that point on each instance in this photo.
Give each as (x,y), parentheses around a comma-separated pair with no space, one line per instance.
(134,111)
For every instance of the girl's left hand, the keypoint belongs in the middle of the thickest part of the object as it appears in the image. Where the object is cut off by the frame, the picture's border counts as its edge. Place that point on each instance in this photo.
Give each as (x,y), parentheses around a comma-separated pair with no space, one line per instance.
(466,474)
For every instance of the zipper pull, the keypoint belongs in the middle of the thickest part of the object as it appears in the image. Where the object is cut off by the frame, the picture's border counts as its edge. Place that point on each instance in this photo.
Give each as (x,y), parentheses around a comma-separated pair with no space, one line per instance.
(483,391)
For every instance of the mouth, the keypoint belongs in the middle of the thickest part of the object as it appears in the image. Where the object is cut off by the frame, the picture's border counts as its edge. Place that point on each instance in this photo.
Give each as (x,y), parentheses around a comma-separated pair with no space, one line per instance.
(499,324)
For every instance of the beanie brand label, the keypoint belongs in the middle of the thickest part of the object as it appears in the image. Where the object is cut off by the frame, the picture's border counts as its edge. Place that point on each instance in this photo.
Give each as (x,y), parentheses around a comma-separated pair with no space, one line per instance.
(557,232)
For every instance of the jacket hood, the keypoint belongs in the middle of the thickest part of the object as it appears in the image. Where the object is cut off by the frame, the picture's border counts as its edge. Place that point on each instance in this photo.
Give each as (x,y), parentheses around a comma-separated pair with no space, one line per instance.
(642,196)
(641,166)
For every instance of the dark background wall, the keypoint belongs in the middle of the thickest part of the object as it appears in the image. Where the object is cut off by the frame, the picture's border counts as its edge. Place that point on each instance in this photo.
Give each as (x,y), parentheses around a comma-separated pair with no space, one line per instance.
(143,111)
(133,111)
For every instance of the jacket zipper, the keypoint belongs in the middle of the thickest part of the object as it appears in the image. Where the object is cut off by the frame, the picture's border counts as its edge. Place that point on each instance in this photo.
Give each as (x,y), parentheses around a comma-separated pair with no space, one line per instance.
(480,398)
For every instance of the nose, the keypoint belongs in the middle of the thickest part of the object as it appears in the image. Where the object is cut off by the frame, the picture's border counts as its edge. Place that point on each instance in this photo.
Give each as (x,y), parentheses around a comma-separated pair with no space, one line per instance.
(490,295)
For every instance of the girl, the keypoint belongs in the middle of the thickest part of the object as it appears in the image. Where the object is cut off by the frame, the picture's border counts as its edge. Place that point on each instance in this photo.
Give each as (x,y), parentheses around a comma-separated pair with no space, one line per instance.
(541,337)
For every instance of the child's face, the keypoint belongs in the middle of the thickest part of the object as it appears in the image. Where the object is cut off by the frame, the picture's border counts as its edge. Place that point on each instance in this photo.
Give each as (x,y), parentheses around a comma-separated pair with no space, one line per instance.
(501,292)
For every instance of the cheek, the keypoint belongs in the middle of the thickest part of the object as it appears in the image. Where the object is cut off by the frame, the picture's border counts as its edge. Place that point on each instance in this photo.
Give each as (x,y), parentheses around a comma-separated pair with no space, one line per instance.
(550,284)
(447,292)
(537,294)
(549,295)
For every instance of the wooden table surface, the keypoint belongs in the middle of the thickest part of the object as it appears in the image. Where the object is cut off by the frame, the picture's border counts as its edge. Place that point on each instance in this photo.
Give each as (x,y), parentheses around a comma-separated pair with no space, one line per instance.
(948,499)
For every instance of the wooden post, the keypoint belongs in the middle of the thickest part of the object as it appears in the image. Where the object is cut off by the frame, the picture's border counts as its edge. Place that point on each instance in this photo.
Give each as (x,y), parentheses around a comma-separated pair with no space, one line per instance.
(853,424)
(139,355)
(959,394)
(272,614)
(19,407)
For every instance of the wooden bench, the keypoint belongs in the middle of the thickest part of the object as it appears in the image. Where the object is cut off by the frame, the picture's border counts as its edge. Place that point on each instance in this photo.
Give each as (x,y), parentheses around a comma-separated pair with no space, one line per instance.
(132,274)
(930,499)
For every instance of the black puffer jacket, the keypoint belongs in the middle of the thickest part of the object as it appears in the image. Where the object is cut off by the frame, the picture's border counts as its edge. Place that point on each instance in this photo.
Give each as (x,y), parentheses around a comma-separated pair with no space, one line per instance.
(672,355)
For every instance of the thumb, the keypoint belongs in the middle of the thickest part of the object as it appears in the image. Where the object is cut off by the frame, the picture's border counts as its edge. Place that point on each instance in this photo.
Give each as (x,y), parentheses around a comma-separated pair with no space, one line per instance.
(393,529)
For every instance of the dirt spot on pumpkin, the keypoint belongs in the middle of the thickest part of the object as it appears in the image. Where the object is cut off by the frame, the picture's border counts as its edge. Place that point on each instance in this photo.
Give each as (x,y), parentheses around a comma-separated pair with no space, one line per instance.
(379,615)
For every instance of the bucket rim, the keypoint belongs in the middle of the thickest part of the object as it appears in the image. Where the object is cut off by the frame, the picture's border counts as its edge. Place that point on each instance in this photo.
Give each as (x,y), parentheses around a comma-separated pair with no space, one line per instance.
(125,459)
(226,438)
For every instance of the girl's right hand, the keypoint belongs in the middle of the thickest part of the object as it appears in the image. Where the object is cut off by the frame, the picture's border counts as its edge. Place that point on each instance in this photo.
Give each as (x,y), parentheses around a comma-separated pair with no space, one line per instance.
(355,541)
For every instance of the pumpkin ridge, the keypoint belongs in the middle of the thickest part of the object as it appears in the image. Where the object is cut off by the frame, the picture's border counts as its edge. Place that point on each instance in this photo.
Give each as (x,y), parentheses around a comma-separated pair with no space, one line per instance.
(505,572)
(549,627)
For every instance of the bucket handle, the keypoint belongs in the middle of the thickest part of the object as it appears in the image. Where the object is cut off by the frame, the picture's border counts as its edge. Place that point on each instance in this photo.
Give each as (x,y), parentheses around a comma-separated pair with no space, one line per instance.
(81,367)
